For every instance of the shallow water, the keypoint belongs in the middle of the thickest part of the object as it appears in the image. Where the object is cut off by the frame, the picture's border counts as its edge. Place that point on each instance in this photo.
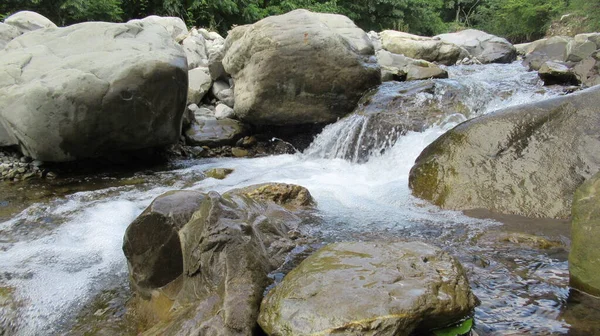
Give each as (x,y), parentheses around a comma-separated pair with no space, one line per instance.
(64,247)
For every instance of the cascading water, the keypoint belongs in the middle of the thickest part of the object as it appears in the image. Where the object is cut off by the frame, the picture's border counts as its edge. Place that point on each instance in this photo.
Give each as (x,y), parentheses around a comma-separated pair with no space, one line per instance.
(418,105)
(63,250)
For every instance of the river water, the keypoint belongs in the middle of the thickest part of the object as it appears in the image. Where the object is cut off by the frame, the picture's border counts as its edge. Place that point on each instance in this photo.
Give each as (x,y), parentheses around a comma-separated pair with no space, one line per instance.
(60,241)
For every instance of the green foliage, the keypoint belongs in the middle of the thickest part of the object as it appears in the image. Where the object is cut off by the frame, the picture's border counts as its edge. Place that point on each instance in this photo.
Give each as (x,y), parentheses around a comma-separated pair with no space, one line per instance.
(461,329)
(518,20)
(588,9)
(97,10)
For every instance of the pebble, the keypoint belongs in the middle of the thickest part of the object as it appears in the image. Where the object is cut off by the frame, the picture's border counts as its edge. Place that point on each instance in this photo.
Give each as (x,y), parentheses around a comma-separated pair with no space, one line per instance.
(16,167)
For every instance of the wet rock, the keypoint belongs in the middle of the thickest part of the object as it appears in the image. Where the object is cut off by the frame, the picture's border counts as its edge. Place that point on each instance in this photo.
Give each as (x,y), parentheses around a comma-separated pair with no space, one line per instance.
(526,160)
(90,89)
(421,47)
(553,73)
(239,152)
(369,289)
(288,195)
(218,173)
(213,132)
(246,142)
(487,48)
(9,314)
(26,21)
(229,247)
(152,244)
(299,68)
(584,257)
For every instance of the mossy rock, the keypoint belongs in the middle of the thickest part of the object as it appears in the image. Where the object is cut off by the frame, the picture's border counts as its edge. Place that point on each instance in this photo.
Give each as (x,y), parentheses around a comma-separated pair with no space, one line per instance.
(584,258)
(218,173)
(524,160)
(376,288)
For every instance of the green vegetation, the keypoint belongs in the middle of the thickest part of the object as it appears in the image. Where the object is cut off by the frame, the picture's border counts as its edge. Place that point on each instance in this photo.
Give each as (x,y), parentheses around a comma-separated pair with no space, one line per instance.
(517,20)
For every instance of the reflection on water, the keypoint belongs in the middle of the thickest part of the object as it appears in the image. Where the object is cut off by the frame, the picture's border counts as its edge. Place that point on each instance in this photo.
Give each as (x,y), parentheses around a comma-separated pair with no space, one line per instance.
(61,241)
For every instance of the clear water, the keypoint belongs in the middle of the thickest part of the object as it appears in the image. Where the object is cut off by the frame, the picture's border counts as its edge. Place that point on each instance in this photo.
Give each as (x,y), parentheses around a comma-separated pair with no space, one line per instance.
(65,248)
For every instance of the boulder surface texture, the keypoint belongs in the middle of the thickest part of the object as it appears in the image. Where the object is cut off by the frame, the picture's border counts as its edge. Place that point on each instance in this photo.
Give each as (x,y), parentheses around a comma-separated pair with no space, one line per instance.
(369,289)
(487,48)
(584,257)
(526,160)
(421,47)
(91,89)
(214,267)
(299,68)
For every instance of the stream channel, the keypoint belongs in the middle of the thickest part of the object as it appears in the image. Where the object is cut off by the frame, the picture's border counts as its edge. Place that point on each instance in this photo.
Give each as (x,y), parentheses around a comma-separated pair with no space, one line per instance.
(60,240)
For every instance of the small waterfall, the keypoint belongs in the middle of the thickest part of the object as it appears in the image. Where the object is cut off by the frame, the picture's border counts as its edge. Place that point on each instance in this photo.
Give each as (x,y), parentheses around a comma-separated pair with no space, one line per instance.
(355,138)
(394,108)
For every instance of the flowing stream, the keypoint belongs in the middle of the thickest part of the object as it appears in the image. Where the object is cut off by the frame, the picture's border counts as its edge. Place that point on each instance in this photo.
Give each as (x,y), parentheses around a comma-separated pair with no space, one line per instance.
(60,242)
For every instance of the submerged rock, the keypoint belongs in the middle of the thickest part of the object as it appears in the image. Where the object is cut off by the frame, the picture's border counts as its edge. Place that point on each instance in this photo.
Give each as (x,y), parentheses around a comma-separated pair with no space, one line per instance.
(584,257)
(228,248)
(525,160)
(486,48)
(299,68)
(91,89)
(369,289)
(218,173)
(421,47)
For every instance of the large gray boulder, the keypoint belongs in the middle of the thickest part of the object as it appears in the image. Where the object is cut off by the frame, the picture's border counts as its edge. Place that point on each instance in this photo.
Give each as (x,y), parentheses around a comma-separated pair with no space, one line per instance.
(421,47)
(487,48)
(526,160)
(26,21)
(228,248)
(7,34)
(299,68)
(91,89)
(584,257)
(369,289)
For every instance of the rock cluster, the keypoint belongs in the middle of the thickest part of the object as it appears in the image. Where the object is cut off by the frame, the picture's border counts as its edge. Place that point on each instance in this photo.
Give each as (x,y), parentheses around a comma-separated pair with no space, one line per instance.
(565,60)
(202,262)
(15,167)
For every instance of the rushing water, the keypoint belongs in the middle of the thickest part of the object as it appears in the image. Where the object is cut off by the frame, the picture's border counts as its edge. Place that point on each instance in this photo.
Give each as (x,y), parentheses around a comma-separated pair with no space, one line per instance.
(65,247)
